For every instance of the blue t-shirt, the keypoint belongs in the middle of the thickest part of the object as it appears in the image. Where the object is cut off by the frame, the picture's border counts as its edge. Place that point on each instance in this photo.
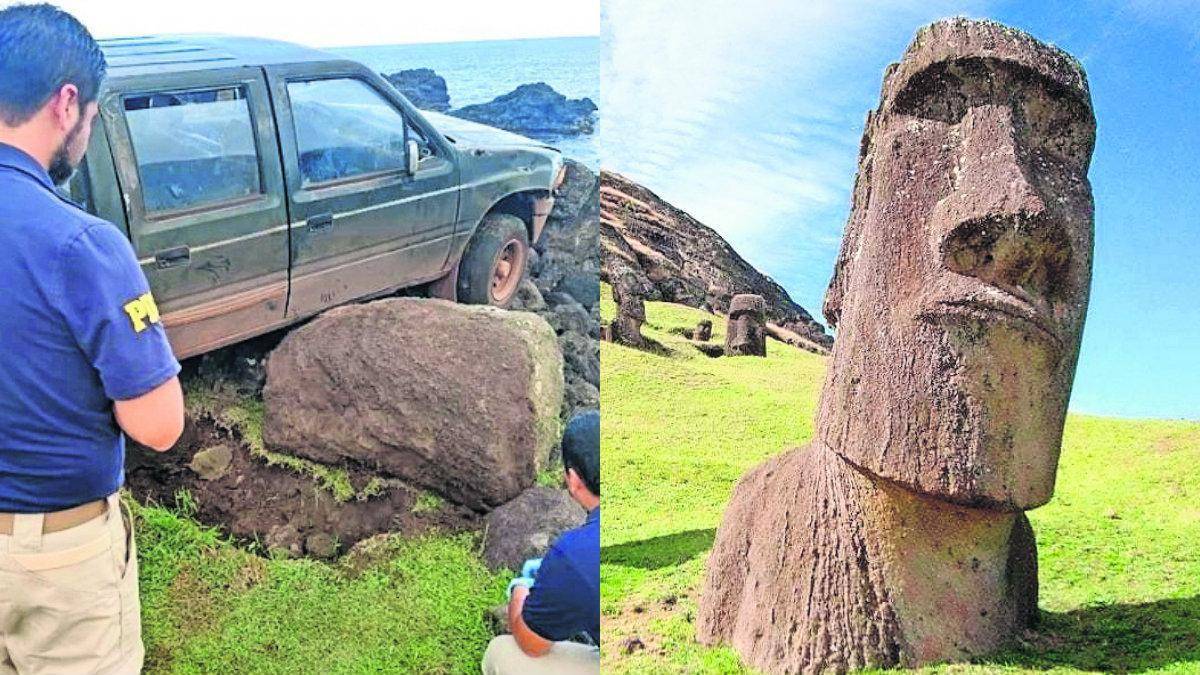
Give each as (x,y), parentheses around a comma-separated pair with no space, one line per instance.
(565,598)
(78,330)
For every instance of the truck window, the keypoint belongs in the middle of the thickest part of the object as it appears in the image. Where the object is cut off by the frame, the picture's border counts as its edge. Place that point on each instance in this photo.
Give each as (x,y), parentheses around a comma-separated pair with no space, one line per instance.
(344,128)
(193,147)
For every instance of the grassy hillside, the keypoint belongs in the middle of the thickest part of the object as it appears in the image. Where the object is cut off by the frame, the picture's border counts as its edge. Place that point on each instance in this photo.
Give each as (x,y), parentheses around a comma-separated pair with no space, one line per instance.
(1118,545)
(412,606)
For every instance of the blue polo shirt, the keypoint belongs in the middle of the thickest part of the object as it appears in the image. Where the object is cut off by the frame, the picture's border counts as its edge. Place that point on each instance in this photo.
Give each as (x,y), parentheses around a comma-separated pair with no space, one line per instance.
(565,598)
(78,330)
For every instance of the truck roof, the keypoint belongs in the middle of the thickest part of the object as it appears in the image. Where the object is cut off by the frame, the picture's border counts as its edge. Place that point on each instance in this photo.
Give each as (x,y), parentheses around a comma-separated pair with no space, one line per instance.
(159,54)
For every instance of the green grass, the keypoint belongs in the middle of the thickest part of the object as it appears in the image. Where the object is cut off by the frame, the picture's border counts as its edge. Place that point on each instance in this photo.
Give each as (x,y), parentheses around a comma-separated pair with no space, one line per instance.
(1119,546)
(397,606)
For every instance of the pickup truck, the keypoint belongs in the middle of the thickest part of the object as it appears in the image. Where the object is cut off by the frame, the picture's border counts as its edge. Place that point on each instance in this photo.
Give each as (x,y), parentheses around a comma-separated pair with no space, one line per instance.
(261,182)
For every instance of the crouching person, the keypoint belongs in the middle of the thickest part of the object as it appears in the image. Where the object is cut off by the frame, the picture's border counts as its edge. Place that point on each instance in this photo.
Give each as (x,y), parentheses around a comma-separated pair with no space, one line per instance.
(554,608)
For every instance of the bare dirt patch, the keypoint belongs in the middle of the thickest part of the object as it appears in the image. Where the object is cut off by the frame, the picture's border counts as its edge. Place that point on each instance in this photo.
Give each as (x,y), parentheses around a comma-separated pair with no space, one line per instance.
(274,507)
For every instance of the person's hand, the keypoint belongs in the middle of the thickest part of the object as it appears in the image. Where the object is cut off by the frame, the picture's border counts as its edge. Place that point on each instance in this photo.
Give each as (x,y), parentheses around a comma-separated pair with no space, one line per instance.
(527,582)
(531,568)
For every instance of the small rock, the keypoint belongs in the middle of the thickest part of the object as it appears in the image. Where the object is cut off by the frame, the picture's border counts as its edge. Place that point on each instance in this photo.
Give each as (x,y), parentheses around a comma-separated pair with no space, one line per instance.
(581,355)
(632,644)
(526,526)
(528,297)
(321,545)
(497,618)
(570,318)
(585,288)
(212,463)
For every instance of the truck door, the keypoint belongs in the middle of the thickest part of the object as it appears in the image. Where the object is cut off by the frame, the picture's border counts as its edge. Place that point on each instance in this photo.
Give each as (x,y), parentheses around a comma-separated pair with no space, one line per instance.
(361,222)
(198,164)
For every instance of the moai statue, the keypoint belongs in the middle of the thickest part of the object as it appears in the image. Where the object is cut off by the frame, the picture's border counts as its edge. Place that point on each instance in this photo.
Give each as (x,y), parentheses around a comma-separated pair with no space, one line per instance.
(703,332)
(898,535)
(626,328)
(745,331)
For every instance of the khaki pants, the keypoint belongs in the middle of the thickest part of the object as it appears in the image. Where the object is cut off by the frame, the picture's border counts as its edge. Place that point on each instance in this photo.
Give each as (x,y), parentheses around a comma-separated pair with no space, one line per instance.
(504,657)
(69,599)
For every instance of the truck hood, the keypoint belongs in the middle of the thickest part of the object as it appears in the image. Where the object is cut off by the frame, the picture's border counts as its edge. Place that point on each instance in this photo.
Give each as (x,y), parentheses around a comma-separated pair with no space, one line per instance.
(467,135)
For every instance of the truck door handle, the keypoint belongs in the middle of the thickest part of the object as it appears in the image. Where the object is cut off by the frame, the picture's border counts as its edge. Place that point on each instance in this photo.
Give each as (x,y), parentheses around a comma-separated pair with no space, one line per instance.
(173,257)
(320,222)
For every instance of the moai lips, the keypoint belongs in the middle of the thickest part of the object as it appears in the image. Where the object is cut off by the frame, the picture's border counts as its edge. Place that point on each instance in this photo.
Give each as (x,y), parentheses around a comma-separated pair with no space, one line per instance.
(745,331)
(897,536)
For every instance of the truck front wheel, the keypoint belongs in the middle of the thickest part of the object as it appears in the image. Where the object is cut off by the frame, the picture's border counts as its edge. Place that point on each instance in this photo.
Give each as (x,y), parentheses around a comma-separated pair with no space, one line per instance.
(495,261)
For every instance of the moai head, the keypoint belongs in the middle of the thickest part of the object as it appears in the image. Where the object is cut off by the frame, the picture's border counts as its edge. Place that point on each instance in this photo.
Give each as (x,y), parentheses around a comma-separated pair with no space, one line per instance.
(961,288)
(745,333)
(703,332)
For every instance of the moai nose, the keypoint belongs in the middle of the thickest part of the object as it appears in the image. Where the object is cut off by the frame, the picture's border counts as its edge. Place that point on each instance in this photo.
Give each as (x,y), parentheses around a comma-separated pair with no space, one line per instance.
(998,228)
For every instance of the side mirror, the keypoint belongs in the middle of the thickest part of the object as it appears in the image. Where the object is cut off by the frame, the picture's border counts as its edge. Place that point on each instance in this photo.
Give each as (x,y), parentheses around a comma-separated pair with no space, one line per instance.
(413,155)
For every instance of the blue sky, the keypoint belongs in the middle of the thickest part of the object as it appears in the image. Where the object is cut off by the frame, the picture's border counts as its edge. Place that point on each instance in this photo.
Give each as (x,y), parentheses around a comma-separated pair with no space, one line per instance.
(748,115)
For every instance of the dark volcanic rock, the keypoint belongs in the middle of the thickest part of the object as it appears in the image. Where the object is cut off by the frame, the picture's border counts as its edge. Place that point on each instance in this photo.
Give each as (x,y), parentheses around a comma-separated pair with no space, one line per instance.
(422,87)
(678,259)
(567,273)
(526,526)
(462,400)
(534,110)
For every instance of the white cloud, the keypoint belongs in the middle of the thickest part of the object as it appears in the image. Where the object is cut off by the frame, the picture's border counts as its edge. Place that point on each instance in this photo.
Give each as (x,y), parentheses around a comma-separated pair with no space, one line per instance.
(748,115)
(346,23)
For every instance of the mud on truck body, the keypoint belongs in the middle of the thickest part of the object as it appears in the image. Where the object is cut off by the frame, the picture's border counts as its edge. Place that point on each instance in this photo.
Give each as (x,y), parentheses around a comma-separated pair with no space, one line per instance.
(262,182)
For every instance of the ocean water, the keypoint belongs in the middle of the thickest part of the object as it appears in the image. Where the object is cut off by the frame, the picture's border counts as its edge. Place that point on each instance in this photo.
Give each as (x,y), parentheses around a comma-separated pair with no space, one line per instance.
(477,72)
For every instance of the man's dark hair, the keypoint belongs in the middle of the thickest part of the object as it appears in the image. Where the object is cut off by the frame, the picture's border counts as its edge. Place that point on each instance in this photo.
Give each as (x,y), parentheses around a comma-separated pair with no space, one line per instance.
(41,49)
(581,448)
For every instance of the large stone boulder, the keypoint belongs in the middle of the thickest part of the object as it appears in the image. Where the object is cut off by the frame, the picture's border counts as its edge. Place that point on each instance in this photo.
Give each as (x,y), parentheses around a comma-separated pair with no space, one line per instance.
(534,110)
(422,87)
(461,400)
(525,527)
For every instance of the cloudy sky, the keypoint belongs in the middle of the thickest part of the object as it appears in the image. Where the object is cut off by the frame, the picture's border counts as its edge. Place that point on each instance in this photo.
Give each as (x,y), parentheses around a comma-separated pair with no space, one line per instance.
(344,23)
(748,115)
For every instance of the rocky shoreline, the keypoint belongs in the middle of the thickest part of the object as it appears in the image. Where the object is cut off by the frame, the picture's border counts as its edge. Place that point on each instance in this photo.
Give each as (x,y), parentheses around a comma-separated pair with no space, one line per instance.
(535,110)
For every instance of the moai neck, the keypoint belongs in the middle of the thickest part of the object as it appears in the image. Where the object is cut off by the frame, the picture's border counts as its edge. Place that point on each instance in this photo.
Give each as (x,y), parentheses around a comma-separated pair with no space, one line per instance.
(962,581)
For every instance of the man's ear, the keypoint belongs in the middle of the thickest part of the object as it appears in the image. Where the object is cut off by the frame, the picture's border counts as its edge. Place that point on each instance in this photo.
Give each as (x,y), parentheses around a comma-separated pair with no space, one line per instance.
(64,106)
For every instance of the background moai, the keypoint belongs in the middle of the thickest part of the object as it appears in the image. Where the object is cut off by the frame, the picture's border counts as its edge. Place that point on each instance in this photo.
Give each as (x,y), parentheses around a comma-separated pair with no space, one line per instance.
(898,536)
(745,330)
(626,328)
(703,332)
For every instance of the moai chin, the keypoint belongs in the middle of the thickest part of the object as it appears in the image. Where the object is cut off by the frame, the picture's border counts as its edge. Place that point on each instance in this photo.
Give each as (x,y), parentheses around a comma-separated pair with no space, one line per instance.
(703,332)
(745,330)
(897,536)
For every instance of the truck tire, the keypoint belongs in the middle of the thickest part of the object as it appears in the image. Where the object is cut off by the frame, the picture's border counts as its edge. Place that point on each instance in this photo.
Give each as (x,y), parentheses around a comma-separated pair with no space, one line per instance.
(495,261)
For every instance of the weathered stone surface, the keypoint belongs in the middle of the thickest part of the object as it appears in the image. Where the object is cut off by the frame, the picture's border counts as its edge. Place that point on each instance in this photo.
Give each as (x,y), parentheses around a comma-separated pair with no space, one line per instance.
(458,399)
(212,463)
(626,327)
(676,258)
(321,545)
(745,331)
(525,527)
(703,331)
(897,537)
(567,273)
(422,87)
(534,110)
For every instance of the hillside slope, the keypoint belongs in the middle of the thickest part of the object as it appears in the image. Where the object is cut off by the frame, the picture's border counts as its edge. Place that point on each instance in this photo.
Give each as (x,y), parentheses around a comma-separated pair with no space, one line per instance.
(679,259)
(1120,571)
